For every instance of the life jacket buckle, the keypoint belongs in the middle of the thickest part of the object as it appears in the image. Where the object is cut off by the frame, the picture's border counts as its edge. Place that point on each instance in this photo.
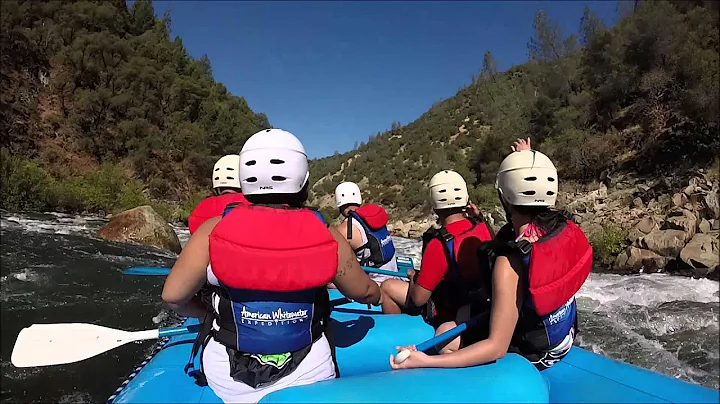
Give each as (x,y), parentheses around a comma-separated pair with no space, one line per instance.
(199,377)
(524,246)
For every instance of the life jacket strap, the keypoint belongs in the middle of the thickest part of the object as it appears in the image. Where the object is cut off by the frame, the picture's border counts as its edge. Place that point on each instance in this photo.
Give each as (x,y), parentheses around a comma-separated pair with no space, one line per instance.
(201,341)
(349,227)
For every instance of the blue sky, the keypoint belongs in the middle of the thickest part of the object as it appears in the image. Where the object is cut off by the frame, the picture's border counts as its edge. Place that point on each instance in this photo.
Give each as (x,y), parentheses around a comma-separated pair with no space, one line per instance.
(335,72)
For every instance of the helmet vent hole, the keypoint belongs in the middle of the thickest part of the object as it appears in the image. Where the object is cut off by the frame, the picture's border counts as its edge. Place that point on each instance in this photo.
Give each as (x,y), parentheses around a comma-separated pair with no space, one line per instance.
(229,168)
(457,198)
(550,193)
(250,163)
(217,178)
(229,178)
(528,192)
(442,191)
(217,169)
(277,161)
(278,178)
(251,179)
(530,178)
(457,189)
(551,179)
(443,200)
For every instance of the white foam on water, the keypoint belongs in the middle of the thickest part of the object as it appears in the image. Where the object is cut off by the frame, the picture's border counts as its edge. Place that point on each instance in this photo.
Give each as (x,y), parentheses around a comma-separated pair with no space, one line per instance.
(59,224)
(647,289)
(27,275)
(409,248)
(617,290)
(183,234)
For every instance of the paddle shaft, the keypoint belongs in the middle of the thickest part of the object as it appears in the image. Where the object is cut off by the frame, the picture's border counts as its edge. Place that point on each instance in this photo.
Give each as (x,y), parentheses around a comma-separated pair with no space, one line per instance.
(450,334)
(160,271)
(399,273)
(171,332)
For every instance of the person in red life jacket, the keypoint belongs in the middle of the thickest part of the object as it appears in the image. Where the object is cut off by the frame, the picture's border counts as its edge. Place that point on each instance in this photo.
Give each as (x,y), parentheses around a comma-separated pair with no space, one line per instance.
(452,270)
(542,260)
(226,186)
(365,228)
(270,262)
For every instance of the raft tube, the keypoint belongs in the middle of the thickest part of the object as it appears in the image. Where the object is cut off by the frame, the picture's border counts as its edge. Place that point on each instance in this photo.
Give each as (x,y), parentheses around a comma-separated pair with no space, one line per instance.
(364,341)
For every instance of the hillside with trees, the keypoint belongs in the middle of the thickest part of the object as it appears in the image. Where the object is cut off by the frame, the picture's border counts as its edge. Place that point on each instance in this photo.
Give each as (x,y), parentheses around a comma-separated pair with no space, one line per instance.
(640,97)
(102,110)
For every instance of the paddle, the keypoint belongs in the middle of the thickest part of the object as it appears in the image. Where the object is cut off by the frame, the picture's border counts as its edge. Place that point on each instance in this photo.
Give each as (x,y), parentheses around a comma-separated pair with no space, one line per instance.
(147,271)
(444,337)
(160,271)
(57,344)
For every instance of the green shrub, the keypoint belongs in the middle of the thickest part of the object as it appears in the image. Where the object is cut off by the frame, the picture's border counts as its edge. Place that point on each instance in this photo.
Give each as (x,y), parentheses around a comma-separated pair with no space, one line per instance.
(107,190)
(330,215)
(23,184)
(608,243)
(485,197)
(186,208)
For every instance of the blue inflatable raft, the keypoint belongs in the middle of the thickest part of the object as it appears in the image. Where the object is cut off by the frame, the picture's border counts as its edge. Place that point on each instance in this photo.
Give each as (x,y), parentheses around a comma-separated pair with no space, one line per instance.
(364,340)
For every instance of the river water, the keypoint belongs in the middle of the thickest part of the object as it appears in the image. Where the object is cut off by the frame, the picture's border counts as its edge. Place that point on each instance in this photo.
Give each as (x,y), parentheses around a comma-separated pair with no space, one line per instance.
(54,270)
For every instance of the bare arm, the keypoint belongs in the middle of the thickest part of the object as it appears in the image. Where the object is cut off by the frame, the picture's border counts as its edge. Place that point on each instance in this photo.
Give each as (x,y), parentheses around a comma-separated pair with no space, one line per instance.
(506,303)
(417,293)
(350,279)
(189,274)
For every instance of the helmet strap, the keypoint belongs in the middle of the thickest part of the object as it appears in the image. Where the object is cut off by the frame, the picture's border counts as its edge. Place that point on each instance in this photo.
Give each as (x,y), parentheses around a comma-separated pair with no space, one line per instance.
(506,208)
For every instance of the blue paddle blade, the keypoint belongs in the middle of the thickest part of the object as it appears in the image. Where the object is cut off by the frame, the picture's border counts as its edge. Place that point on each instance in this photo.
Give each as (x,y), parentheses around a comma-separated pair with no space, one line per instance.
(147,271)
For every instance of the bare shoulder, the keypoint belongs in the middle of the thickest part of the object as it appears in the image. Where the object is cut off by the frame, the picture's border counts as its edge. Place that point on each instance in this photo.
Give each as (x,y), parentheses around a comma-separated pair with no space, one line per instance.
(207,227)
(341,227)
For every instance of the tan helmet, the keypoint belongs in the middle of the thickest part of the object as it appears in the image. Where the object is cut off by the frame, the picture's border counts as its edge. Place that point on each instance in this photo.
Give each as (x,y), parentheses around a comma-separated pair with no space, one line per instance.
(527,178)
(225,172)
(448,190)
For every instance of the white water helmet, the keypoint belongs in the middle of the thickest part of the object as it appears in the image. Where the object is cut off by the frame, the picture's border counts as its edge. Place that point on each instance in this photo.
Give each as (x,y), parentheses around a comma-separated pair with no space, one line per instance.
(448,190)
(273,161)
(527,178)
(225,172)
(347,193)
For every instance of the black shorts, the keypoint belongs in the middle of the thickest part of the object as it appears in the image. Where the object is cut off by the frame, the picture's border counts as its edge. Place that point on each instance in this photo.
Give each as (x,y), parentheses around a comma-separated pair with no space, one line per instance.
(480,330)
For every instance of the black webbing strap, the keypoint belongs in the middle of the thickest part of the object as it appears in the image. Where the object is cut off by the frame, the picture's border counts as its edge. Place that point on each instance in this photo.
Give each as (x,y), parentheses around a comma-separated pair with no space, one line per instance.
(200,342)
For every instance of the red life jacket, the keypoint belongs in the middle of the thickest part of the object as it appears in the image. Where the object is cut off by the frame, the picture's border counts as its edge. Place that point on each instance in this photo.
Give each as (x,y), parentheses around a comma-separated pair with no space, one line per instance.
(373,215)
(451,244)
(211,207)
(282,250)
(273,265)
(373,220)
(558,266)
(454,290)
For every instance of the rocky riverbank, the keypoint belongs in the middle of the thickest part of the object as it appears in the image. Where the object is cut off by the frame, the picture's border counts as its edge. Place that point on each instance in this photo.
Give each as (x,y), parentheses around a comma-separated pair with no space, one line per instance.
(669,224)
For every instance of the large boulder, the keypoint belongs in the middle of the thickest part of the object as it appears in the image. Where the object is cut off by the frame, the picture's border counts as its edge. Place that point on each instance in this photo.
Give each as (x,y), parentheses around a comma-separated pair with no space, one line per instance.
(705,226)
(141,225)
(701,253)
(681,219)
(644,226)
(635,260)
(667,243)
(400,229)
(712,203)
